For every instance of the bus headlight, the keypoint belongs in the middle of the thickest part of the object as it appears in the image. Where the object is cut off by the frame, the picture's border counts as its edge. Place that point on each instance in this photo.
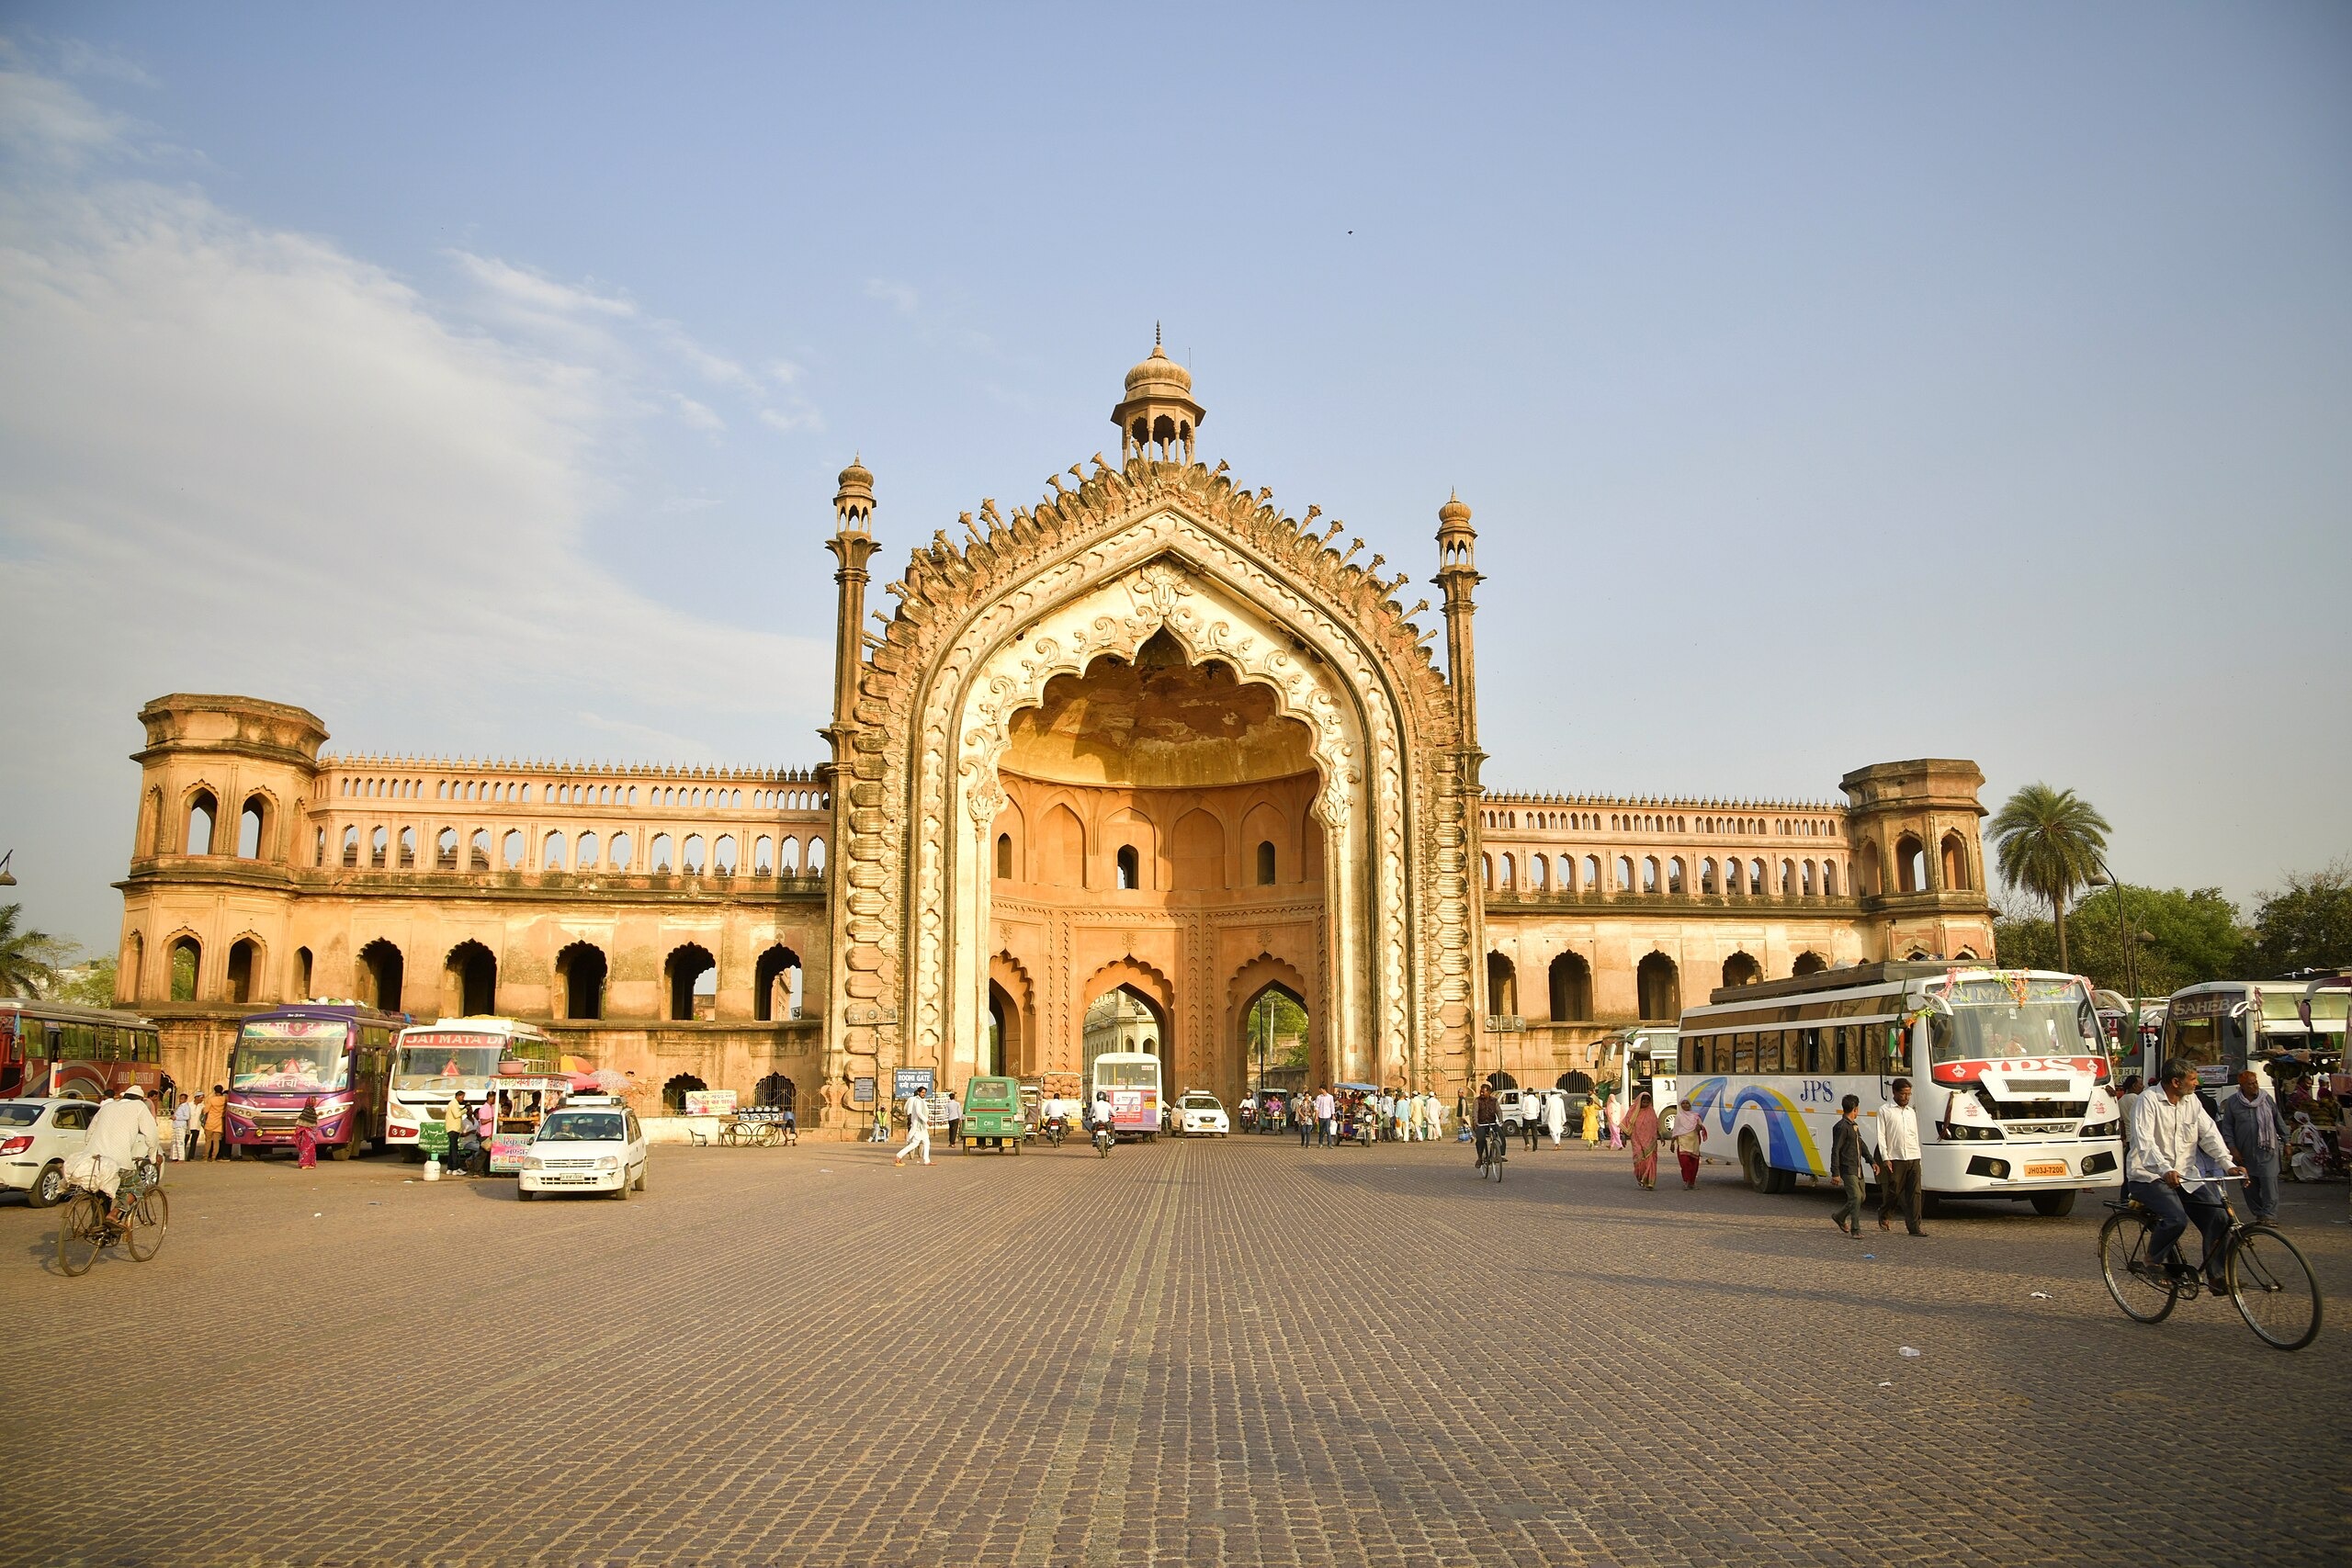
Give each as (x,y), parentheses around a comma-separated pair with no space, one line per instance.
(1958,1133)
(2103,1130)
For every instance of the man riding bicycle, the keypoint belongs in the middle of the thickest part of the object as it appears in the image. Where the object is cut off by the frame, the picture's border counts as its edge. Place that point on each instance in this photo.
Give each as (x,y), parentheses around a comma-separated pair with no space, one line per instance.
(122,1133)
(2166,1171)
(1485,1121)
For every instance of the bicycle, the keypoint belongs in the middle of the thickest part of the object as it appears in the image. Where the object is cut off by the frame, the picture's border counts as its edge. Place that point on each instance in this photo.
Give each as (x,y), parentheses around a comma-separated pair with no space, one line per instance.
(1493,1148)
(90,1221)
(2269,1282)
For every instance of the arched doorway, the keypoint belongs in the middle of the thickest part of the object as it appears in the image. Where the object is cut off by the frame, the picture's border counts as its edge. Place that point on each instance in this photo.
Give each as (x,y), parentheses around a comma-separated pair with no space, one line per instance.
(1123,1019)
(1660,987)
(1739,969)
(469,981)
(776,1091)
(1275,1040)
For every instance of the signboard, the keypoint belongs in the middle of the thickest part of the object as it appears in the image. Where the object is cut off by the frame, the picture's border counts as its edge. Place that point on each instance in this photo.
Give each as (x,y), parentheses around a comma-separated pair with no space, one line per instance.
(506,1152)
(905,1081)
(711,1102)
(862,1090)
(433,1138)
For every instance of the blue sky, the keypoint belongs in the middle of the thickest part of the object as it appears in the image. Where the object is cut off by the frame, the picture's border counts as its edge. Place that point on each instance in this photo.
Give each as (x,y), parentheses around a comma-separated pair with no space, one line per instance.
(1833,384)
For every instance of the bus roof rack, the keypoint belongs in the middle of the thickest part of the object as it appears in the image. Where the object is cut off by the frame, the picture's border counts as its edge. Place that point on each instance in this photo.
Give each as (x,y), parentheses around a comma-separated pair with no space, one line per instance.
(1839,979)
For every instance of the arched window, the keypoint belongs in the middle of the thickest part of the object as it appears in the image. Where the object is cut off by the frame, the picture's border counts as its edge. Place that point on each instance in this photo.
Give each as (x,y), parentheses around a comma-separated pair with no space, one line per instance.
(1649,873)
(586,852)
(691,975)
(1510,876)
(623,857)
(663,851)
(1659,984)
(1266,866)
(1487,872)
(380,974)
(722,855)
(469,980)
(201,811)
(1130,869)
(1591,873)
(1571,989)
(1539,874)
(1740,969)
(675,1092)
(776,985)
(1955,862)
(1004,857)
(691,857)
(380,848)
(302,973)
(1756,878)
(815,856)
(1809,963)
(1788,879)
(580,974)
(764,856)
(238,983)
(251,827)
(1625,873)
(1675,871)
(187,955)
(1910,865)
(552,852)
(1707,879)
(1829,879)
(1502,986)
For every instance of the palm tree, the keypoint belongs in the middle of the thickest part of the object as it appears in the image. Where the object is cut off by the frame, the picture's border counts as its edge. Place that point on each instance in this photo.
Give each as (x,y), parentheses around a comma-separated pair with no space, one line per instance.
(2050,842)
(28,958)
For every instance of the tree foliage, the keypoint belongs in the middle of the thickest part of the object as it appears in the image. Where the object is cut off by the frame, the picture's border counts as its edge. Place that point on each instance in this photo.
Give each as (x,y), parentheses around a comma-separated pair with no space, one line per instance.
(91,984)
(29,958)
(2306,924)
(2179,937)
(2049,841)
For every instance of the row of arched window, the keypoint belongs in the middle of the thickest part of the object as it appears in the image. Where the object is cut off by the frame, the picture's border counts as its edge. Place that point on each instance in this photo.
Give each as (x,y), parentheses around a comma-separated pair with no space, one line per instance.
(1658,984)
(521,791)
(1509,820)
(1521,871)
(387,848)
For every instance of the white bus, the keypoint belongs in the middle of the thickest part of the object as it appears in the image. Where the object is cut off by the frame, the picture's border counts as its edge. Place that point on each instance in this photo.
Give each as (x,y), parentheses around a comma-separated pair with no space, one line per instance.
(2224,1027)
(1648,1057)
(2009,1073)
(1132,1080)
(458,1056)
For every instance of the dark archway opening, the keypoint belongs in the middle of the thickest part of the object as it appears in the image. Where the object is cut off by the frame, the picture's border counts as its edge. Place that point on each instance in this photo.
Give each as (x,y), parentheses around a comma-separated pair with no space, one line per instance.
(1660,985)
(1571,985)
(1739,969)
(776,985)
(469,981)
(581,970)
(1276,1035)
(675,1092)
(684,972)
(775,1092)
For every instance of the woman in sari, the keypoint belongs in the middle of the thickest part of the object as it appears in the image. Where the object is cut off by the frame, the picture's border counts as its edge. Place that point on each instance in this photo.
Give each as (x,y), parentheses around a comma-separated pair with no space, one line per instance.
(1641,1131)
(306,1134)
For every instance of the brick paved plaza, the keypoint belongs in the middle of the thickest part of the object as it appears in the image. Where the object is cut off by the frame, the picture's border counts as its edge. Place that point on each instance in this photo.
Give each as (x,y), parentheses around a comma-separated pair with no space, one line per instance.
(1199,1352)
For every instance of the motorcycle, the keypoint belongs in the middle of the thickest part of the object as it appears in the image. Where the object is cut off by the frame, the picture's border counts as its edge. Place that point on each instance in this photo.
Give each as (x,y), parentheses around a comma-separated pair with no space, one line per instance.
(1103,1138)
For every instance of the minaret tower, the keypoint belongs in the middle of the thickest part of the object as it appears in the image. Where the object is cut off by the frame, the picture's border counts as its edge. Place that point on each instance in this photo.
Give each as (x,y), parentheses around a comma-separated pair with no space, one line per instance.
(1157,416)
(1457,573)
(852,545)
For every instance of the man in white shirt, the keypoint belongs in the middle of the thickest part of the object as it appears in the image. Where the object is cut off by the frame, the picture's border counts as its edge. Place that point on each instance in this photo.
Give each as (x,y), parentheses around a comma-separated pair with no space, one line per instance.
(918,1130)
(1898,1160)
(1327,1125)
(2166,1169)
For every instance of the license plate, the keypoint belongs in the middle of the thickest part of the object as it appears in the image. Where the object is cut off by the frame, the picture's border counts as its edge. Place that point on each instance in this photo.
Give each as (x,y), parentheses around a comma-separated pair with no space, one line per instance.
(2045,1167)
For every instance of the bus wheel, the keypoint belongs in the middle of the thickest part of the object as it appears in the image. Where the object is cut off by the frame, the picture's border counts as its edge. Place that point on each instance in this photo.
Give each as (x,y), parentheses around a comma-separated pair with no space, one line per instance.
(1752,1166)
(1780,1182)
(2053,1206)
(344,1150)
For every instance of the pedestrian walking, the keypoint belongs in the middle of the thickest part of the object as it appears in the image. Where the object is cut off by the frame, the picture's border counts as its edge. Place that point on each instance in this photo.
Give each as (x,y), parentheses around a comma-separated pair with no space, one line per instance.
(306,1136)
(1555,1115)
(954,1109)
(1898,1160)
(1327,1118)
(1641,1132)
(216,1120)
(2255,1131)
(918,1131)
(1616,1121)
(1689,1136)
(183,1118)
(1303,1118)
(1592,1121)
(1848,1163)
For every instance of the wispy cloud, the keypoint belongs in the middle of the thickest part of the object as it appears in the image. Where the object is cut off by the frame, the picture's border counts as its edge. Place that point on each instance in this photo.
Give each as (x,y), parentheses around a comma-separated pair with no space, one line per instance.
(899,296)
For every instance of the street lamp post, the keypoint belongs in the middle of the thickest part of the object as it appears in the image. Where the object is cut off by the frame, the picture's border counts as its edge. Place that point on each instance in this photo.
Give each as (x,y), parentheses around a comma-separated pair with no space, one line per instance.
(2106,877)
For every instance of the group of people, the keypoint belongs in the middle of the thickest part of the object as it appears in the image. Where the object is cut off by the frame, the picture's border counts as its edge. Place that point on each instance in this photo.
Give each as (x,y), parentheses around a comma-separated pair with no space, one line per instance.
(1340,1114)
(198,1124)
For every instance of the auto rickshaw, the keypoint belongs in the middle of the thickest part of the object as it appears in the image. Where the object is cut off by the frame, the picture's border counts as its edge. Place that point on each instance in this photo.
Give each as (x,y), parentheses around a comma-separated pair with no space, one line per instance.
(994,1115)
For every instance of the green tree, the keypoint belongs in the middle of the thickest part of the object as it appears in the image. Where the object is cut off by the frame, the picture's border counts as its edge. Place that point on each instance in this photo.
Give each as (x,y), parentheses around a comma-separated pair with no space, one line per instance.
(2306,924)
(2178,938)
(91,984)
(29,958)
(2049,841)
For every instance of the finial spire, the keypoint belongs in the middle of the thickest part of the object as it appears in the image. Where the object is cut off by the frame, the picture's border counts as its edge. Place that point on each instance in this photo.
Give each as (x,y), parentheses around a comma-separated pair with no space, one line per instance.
(1155,335)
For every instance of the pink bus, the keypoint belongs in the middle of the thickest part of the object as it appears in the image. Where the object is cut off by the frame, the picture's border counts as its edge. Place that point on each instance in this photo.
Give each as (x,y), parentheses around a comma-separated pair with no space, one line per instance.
(339,1055)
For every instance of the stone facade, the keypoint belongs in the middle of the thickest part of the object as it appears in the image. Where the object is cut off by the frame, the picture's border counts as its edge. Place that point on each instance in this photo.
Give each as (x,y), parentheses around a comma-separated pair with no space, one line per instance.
(1150,736)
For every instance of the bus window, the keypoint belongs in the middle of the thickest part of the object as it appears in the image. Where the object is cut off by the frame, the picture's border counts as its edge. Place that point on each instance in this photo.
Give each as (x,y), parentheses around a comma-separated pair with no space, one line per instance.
(1767,1051)
(1809,1041)
(1899,1060)
(1743,1052)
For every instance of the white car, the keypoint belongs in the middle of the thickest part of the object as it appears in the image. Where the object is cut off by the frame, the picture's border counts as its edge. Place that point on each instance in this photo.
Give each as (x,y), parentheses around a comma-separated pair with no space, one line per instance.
(35,1137)
(591,1142)
(1199,1112)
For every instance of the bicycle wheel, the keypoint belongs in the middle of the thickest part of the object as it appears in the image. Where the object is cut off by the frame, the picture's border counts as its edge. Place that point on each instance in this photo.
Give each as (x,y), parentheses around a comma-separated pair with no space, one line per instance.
(2138,1284)
(2273,1289)
(142,1236)
(81,1233)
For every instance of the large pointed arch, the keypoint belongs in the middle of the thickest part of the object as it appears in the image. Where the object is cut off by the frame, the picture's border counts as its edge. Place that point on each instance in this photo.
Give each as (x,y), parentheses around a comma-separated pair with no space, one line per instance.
(1153,547)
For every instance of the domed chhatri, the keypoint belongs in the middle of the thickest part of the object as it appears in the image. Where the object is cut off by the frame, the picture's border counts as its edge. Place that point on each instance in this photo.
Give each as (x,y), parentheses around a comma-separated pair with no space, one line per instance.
(1453,512)
(854,500)
(1159,415)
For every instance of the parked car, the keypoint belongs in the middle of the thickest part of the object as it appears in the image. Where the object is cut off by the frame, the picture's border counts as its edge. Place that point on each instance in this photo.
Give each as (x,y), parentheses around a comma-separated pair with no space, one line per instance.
(591,1142)
(1201,1114)
(35,1137)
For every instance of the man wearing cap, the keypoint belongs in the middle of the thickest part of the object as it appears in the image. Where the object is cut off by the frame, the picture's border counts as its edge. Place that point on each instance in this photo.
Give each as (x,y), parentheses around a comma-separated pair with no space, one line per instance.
(122,1133)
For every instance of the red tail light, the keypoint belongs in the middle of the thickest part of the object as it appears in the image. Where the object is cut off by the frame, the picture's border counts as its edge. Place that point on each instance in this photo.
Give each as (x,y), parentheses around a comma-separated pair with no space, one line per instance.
(16,1145)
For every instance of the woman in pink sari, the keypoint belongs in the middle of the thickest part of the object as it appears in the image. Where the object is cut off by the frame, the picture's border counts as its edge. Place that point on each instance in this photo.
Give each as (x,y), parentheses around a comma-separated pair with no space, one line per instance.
(1641,1131)
(306,1134)
(1616,1121)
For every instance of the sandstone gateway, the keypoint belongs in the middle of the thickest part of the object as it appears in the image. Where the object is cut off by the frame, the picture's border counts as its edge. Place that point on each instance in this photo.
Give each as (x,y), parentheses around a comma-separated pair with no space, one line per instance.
(1150,745)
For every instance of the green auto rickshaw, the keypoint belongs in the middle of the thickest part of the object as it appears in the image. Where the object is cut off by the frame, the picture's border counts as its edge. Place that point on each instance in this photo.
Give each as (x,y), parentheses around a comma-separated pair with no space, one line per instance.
(993,1114)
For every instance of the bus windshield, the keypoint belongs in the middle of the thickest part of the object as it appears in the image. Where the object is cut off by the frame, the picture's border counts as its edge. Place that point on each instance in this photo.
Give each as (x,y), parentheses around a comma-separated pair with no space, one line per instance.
(1126,1075)
(291,1056)
(441,1065)
(1990,1023)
